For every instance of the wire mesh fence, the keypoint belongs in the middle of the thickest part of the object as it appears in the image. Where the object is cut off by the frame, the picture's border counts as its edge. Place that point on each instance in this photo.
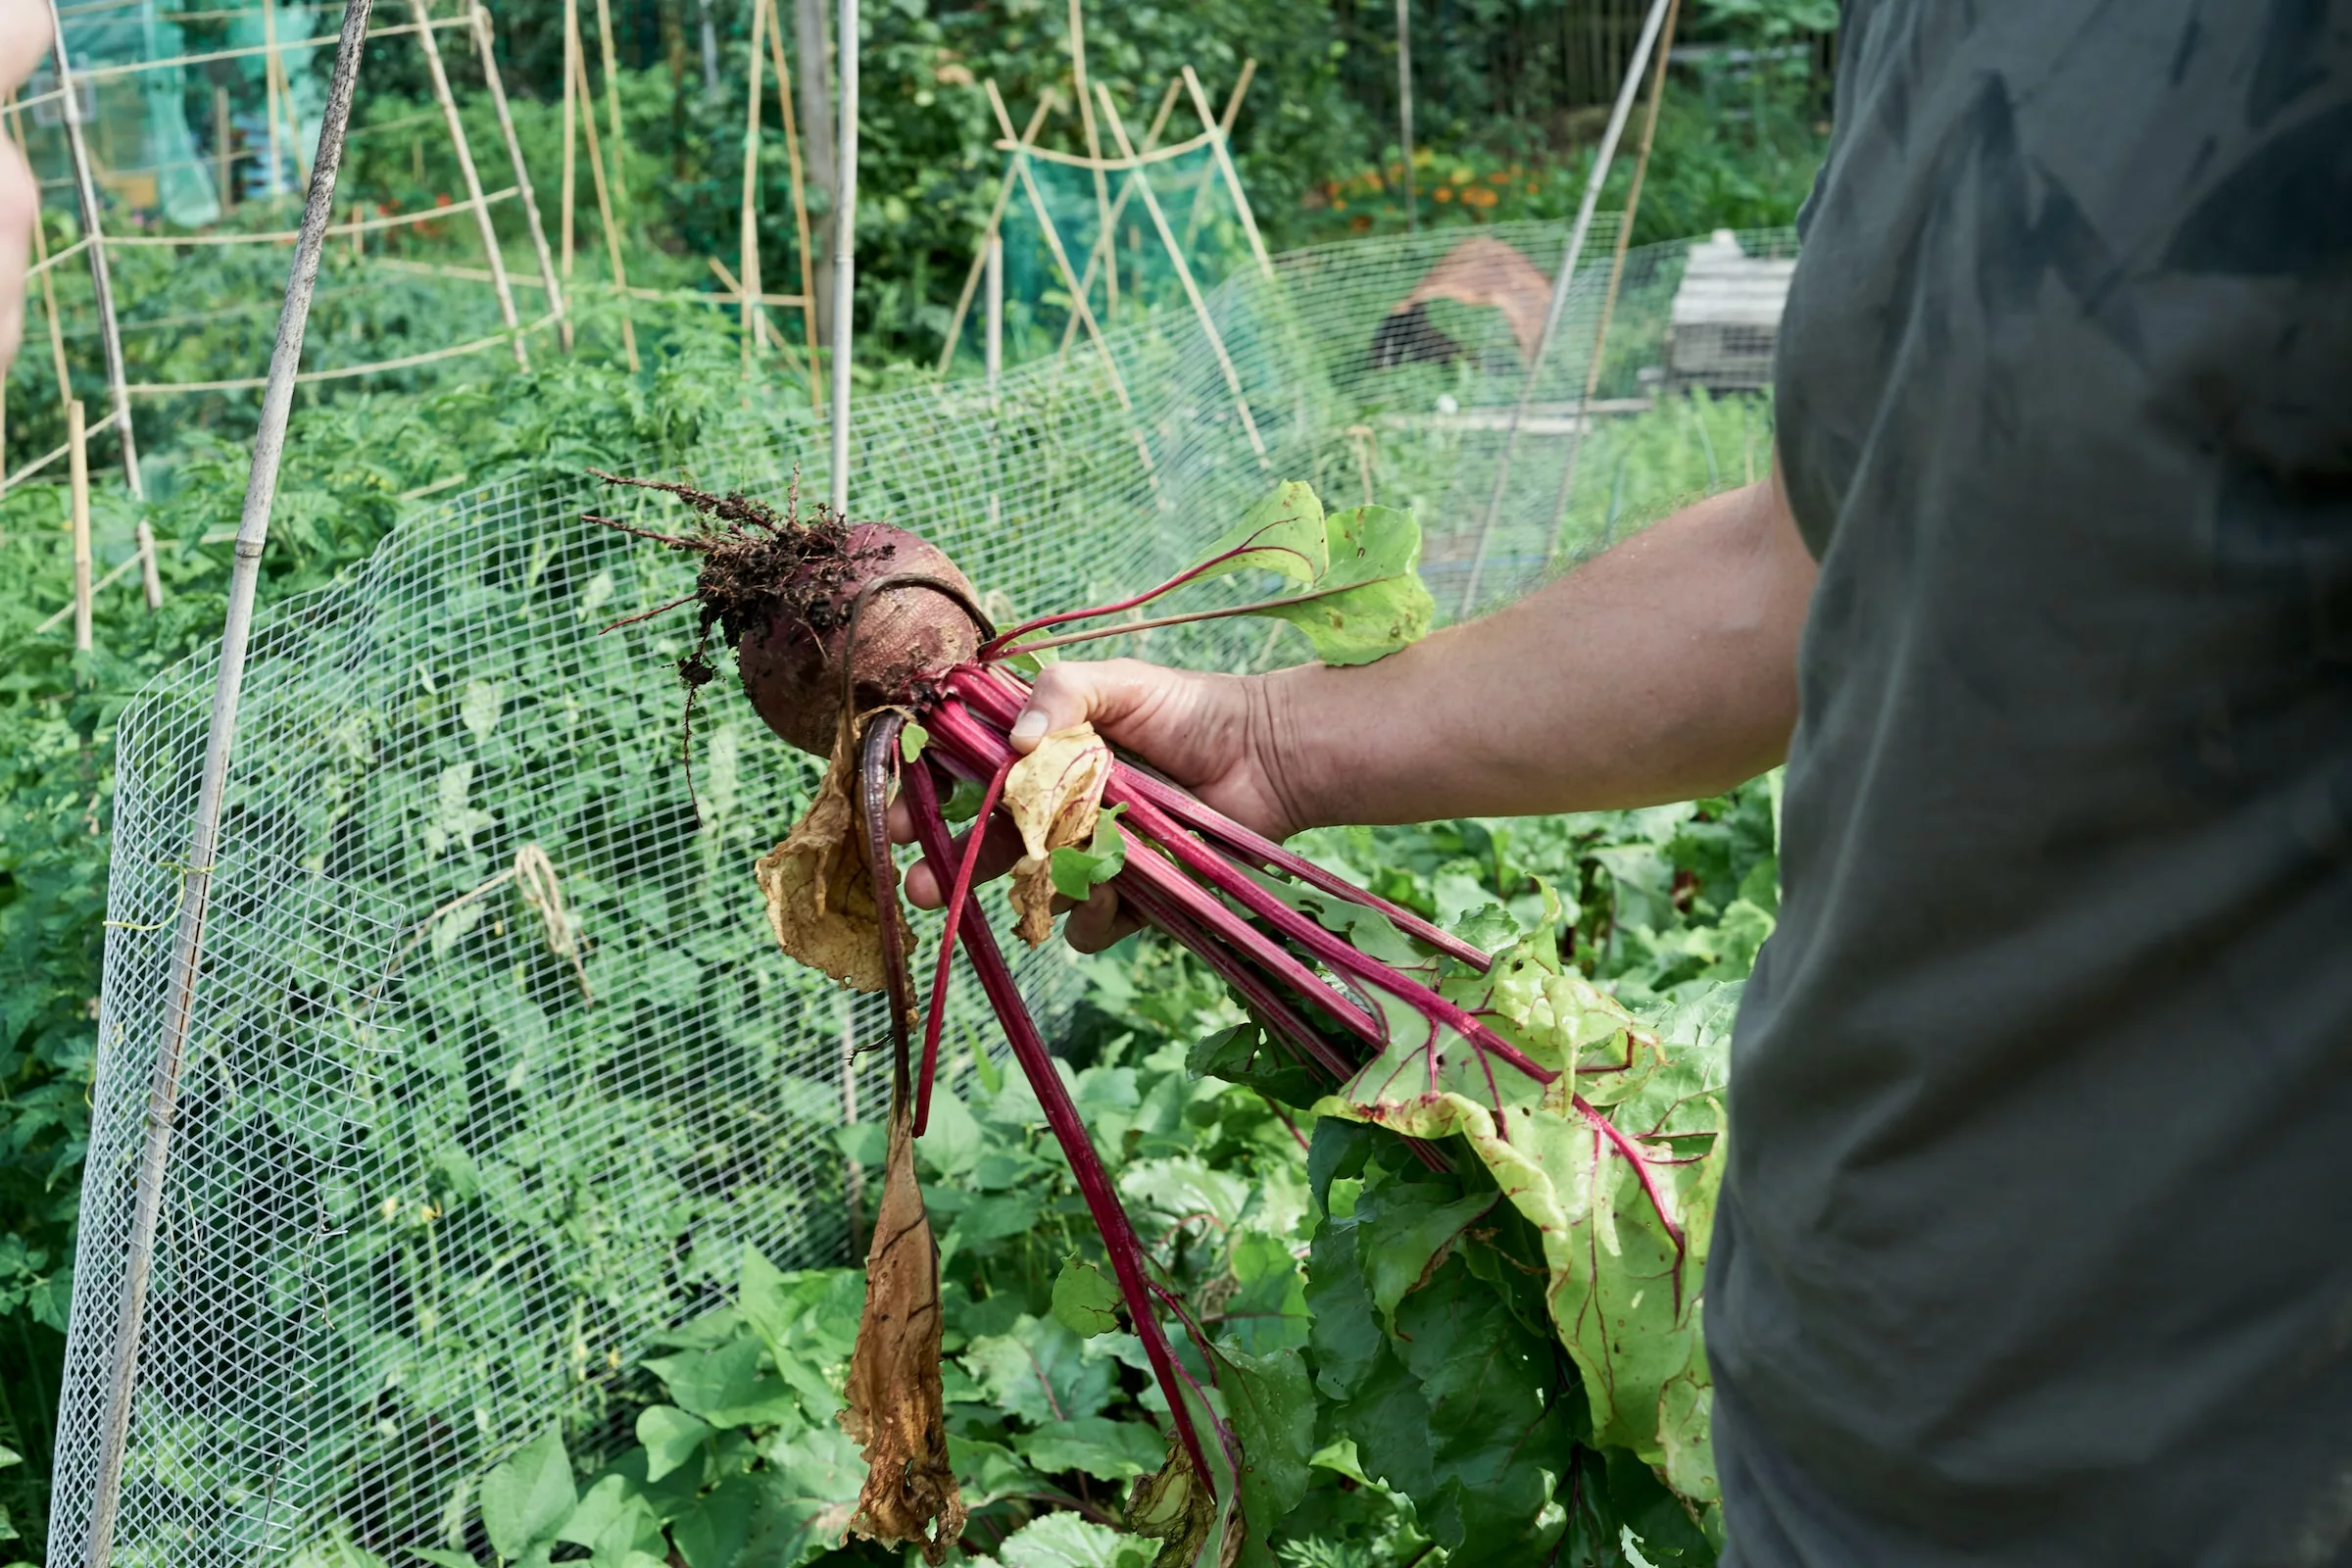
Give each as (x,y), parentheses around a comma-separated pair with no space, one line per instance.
(494,1070)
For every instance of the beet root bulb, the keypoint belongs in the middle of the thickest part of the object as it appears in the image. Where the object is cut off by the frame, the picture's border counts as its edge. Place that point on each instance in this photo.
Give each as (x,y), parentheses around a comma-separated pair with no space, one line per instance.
(791,663)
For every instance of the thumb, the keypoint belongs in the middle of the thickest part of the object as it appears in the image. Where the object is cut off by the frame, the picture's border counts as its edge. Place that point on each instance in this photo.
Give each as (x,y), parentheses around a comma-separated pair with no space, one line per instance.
(1108,694)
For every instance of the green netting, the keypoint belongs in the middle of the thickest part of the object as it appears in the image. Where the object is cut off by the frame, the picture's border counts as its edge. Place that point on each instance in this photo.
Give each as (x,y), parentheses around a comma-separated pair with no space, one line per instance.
(447,1157)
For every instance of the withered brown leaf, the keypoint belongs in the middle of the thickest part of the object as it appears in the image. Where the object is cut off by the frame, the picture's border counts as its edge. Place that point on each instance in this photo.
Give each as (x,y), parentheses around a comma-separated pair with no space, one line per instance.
(894,1412)
(820,900)
(1054,794)
(1175,1507)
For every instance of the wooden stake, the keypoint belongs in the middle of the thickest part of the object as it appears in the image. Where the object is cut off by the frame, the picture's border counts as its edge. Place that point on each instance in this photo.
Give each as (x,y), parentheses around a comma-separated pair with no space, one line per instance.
(483,43)
(1405,109)
(1608,298)
(472,180)
(151,583)
(995,213)
(223,155)
(196,867)
(604,207)
(749,237)
(110,331)
(1094,150)
(78,460)
(620,145)
(799,207)
(1233,179)
(1560,284)
(1233,110)
(1118,206)
(1184,275)
(571,129)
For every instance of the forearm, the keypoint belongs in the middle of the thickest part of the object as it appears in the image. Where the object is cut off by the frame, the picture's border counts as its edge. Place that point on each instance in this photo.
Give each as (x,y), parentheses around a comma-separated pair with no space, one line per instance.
(1663,669)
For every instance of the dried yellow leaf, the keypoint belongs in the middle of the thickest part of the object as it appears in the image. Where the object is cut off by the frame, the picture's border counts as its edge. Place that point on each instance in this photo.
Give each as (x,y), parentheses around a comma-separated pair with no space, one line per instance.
(821,898)
(1054,794)
(896,1408)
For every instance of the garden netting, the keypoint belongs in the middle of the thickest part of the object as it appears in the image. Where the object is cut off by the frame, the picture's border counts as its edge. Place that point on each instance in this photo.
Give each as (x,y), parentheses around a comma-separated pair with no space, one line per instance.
(495,1067)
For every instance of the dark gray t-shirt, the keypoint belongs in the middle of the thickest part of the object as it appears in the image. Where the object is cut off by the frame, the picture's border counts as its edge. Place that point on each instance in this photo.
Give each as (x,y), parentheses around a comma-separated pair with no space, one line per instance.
(2036,1245)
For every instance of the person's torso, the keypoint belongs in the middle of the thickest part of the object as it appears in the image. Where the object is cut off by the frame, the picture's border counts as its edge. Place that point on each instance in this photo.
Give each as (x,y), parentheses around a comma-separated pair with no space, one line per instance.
(2037,1241)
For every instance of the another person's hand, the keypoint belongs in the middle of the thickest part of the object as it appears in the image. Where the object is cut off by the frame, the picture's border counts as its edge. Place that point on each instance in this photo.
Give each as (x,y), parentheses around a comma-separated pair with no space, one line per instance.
(1213,734)
(23,40)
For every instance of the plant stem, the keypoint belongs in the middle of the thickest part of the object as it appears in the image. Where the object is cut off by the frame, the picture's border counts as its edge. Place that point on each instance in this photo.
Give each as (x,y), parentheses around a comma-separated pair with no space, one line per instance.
(996,695)
(1062,617)
(1119,1243)
(1000,651)
(938,1013)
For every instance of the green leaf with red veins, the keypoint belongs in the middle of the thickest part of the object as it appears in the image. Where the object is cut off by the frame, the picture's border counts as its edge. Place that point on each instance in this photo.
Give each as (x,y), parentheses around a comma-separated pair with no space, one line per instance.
(1371,601)
(1284,533)
(1617,1165)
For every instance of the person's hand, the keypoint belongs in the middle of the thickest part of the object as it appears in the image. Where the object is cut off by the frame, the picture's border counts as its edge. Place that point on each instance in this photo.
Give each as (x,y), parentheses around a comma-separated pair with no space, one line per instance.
(23,40)
(1213,734)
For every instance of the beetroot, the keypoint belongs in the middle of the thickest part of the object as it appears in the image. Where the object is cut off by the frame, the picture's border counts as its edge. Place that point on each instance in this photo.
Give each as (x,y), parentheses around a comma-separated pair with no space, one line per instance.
(815,607)
(791,666)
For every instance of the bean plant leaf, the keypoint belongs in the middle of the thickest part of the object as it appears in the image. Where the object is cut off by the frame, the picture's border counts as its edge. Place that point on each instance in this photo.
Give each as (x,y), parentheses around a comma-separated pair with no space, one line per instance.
(670,1437)
(528,1496)
(1065,1540)
(1242,1055)
(1084,1301)
(1076,871)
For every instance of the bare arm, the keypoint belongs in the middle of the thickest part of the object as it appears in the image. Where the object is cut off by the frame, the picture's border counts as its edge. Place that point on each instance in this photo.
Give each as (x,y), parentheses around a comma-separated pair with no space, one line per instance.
(1663,669)
(23,40)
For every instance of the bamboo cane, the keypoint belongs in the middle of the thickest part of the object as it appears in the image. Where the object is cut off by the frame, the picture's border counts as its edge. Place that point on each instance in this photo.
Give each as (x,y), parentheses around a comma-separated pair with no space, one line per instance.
(1233,178)
(204,838)
(77,466)
(996,214)
(1405,109)
(1608,298)
(620,174)
(1118,205)
(1224,127)
(1618,114)
(483,42)
(472,180)
(40,250)
(1142,185)
(270,91)
(110,330)
(749,237)
(845,267)
(571,110)
(799,206)
(223,159)
(1094,150)
(604,207)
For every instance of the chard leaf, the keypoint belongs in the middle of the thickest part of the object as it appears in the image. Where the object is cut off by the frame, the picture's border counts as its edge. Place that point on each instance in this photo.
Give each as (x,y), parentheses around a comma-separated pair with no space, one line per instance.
(1273,1409)
(1107,1449)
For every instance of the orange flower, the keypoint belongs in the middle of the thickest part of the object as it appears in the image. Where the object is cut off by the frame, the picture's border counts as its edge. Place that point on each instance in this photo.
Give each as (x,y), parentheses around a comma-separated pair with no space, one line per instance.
(1444,193)
(1479,196)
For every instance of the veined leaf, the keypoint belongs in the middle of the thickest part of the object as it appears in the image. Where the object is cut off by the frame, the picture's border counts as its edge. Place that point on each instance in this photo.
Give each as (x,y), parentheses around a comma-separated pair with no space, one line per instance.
(1284,533)
(1371,601)
(1077,871)
(529,1496)
(1084,1301)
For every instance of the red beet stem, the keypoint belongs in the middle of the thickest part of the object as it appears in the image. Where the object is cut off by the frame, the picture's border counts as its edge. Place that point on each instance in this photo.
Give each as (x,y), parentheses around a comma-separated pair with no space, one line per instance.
(876,761)
(965,869)
(1120,1241)
(998,697)
(956,728)
(995,647)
